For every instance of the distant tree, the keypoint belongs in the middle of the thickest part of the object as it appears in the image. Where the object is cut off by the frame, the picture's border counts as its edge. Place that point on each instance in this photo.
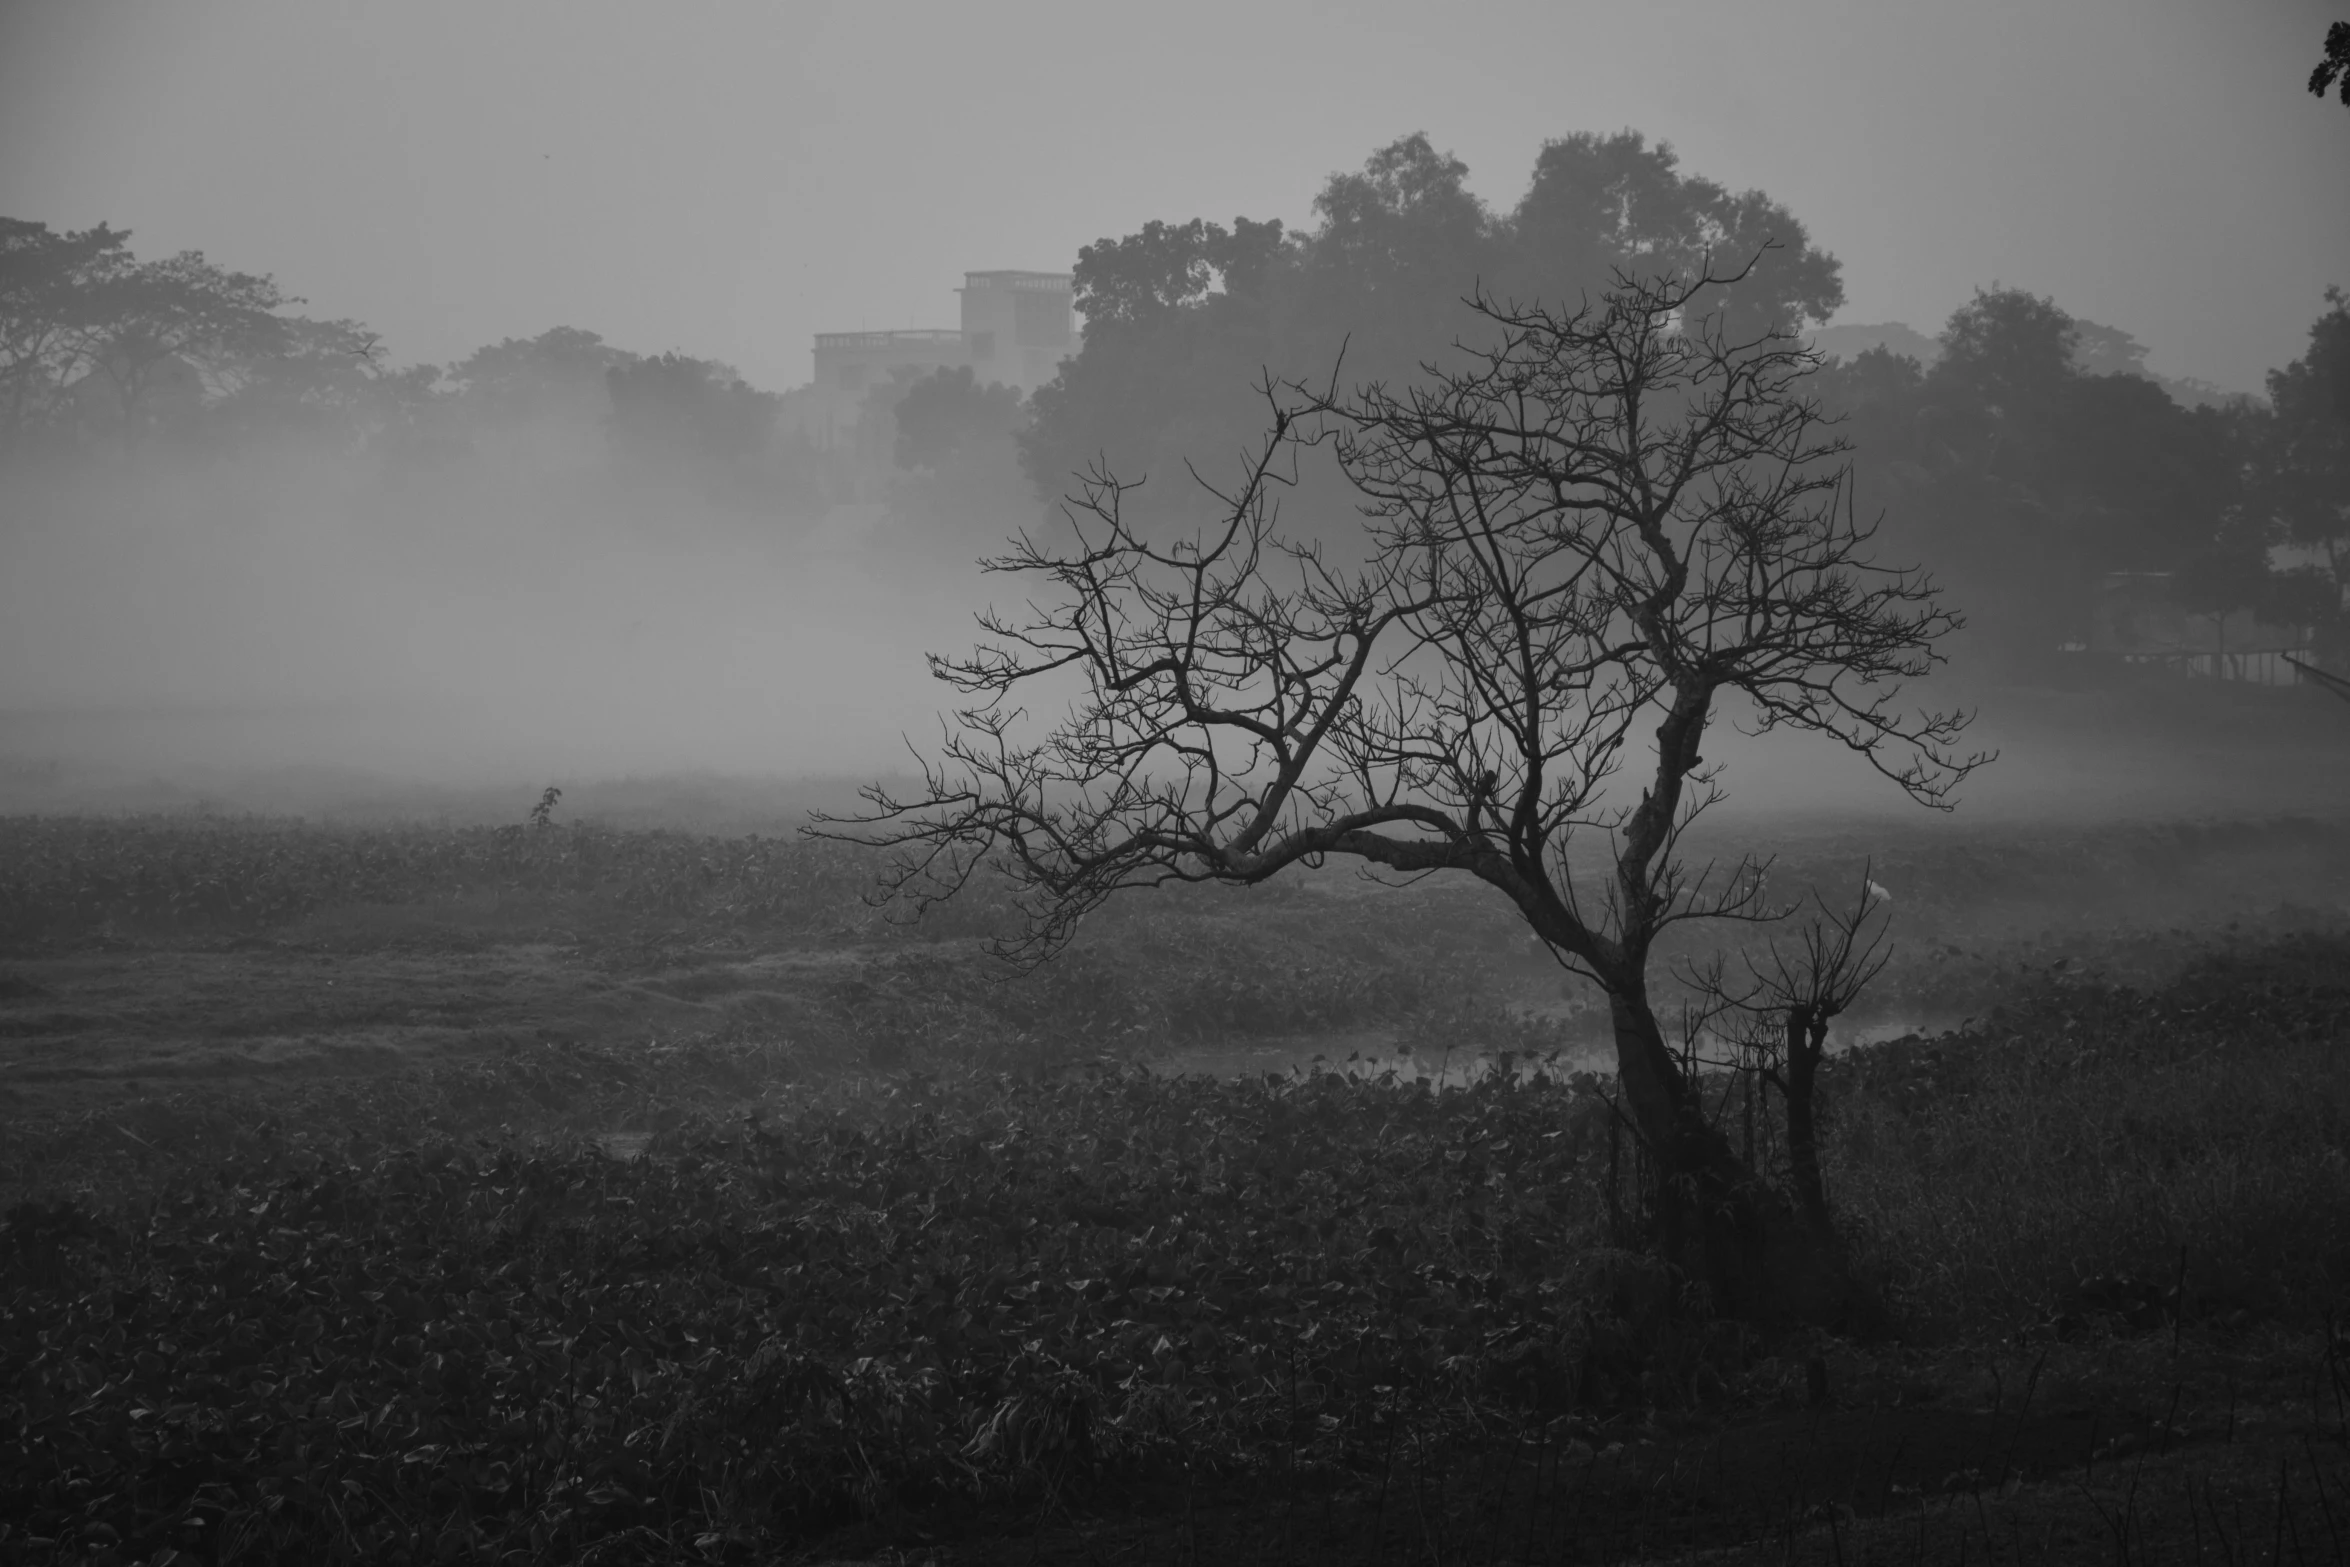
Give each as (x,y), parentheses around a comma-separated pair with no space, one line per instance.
(323,380)
(2335,64)
(1602,203)
(49,324)
(2037,454)
(679,409)
(2016,349)
(1148,276)
(1583,543)
(2106,350)
(1179,321)
(2302,465)
(1182,319)
(1872,378)
(155,317)
(557,375)
(948,414)
(1388,271)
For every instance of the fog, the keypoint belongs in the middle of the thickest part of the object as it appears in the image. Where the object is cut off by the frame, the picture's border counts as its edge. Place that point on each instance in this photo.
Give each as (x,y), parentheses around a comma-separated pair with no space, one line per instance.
(240,616)
(427,592)
(317,631)
(729,180)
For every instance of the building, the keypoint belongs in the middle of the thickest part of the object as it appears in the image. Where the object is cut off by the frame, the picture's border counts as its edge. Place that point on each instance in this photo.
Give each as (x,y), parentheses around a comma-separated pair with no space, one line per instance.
(1017,328)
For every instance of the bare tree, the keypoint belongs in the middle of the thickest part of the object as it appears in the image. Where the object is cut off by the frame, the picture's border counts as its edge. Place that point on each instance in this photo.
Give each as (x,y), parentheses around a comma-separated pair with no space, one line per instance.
(1614,520)
(1796,992)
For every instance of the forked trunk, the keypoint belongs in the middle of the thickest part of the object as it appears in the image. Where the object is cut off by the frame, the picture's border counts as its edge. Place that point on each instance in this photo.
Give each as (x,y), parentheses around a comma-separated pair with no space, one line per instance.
(1762,1260)
(1807,1035)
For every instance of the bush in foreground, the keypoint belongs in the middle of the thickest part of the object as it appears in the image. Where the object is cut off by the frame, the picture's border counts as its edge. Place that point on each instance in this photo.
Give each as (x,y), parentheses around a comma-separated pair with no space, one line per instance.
(954,1293)
(947,1292)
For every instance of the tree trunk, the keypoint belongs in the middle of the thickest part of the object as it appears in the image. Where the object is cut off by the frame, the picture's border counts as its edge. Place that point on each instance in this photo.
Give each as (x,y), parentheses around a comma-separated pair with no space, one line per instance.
(1761,1259)
(1806,1037)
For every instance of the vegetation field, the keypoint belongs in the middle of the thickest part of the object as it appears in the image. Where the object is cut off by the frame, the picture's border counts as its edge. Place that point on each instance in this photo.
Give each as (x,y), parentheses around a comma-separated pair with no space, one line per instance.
(572,1193)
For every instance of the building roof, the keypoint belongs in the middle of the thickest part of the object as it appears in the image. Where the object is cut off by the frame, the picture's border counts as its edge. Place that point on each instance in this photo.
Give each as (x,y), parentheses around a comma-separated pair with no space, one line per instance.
(914,337)
(1056,282)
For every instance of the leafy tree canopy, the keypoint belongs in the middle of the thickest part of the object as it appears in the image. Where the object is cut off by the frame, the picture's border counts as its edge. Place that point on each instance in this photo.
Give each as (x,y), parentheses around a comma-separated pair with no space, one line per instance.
(560,371)
(676,408)
(87,329)
(948,413)
(48,320)
(2335,65)
(2036,455)
(2303,475)
(1183,320)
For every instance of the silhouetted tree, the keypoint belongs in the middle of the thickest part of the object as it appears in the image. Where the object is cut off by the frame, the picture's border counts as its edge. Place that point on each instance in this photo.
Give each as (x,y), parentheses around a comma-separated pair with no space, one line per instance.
(320,381)
(1599,204)
(1179,322)
(2302,466)
(1796,991)
(1182,319)
(49,323)
(91,333)
(155,316)
(557,375)
(948,414)
(677,409)
(2335,64)
(1582,543)
(2036,455)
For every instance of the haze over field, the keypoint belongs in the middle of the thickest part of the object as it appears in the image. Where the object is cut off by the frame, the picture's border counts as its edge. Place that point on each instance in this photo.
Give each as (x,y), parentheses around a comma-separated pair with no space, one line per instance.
(1635,850)
(435,581)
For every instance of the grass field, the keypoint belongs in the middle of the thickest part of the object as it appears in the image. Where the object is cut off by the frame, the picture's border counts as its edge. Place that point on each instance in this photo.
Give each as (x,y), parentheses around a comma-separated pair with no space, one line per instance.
(605,1193)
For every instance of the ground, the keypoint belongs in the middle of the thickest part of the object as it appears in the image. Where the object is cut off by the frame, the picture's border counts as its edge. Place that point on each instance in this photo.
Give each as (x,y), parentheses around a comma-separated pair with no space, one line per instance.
(237,1017)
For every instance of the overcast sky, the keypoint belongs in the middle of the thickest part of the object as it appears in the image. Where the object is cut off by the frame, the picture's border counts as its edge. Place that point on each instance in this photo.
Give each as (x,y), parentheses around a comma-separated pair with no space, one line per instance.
(728,179)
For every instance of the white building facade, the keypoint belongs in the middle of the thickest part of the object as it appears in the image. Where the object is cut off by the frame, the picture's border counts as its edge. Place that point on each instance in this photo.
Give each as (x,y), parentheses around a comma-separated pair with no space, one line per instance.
(1016,329)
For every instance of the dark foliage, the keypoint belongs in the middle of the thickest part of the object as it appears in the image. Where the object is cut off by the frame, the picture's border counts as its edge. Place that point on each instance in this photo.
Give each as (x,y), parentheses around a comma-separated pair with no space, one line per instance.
(2034,459)
(2335,65)
(948,414)
(680,410)
(968,1291)
(1183,320)
(965,1289)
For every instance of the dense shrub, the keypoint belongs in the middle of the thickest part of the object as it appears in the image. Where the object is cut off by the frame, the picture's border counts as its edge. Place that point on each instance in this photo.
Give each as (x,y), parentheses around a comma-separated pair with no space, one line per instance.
(2198,1133)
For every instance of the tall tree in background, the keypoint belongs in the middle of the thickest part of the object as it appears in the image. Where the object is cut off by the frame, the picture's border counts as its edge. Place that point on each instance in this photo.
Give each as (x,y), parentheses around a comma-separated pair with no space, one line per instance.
(1599,204)
(49,322)
(1583,543)
(678,410)
(1179,322)
(2302,476)
(556,376)
(1183,319)
(2334,64)
(2035,456)
(1387,273)
(321,381)
(948,414)
(157,318)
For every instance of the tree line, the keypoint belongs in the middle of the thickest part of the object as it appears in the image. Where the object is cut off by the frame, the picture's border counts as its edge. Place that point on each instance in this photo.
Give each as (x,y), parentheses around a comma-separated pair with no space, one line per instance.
(2033,455)
(106,357)
(2025,456)
(102,352)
